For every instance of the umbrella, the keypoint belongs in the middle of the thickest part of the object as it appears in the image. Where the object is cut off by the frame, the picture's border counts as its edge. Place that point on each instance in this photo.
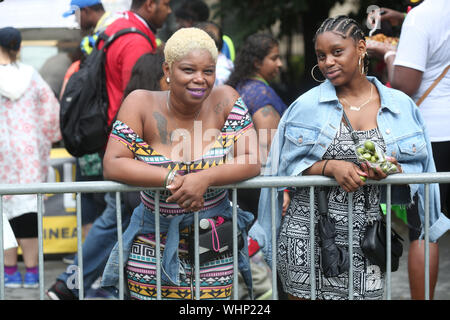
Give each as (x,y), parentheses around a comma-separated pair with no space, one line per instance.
(335,259)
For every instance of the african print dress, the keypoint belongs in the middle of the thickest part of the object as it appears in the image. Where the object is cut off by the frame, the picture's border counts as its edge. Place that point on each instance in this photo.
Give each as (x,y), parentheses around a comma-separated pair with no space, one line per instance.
(216,276)
(294,243)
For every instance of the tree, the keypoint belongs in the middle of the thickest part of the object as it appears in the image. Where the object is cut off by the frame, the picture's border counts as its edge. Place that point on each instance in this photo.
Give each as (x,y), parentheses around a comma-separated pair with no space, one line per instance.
(242,18)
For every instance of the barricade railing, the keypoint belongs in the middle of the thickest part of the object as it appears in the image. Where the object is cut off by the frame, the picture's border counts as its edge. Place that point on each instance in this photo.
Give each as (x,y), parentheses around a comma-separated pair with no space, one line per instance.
(259,182)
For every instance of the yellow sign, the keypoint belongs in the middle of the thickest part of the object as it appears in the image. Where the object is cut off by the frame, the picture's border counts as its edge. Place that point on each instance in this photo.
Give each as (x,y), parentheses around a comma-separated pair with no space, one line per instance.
(60,234)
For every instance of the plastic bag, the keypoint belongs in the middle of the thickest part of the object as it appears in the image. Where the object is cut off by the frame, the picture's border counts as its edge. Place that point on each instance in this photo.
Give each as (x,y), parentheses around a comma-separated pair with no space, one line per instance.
(369,152)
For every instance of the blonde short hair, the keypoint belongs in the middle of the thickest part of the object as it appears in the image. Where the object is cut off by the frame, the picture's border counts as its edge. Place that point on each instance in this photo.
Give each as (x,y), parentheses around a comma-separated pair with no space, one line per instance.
(185,40)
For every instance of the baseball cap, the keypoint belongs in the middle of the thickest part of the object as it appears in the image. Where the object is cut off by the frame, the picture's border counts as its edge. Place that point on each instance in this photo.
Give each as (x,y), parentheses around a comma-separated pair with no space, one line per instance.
(10,38)
(74,4)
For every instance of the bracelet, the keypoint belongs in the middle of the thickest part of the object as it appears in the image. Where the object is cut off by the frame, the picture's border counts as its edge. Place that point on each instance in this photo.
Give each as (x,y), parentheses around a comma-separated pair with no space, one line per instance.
(324,165)
(166,178)
(171,177)
(388,54)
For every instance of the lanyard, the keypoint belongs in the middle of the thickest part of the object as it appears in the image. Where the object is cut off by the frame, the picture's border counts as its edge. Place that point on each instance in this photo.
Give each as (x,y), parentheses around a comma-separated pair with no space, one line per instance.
(261,79)
(355,139)
(353,134)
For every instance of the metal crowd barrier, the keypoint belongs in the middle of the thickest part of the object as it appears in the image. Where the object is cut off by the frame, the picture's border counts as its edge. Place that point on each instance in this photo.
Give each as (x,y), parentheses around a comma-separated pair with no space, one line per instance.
(258,182)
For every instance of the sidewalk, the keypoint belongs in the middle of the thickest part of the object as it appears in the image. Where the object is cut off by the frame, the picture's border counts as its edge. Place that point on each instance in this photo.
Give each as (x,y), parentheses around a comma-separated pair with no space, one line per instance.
(399,287)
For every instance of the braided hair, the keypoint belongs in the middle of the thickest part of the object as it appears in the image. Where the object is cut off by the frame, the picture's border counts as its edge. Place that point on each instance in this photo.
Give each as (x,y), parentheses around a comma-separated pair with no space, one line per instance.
(255,48)
(346,27)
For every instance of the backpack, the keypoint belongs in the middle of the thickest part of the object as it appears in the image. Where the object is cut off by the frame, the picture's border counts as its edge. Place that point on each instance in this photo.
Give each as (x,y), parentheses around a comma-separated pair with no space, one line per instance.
(84,104)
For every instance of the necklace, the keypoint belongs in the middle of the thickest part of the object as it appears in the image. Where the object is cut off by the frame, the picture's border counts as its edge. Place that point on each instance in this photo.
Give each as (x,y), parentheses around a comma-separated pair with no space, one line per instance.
(260,79)
(358,108)
(182,131)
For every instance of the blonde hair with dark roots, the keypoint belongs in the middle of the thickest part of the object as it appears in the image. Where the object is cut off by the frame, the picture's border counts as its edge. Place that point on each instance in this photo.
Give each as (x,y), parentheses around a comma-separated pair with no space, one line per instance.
(186,40)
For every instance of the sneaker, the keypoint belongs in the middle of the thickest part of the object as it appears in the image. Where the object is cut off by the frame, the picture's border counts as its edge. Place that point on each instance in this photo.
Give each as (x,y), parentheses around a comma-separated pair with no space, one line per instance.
(69,259)
(59,291)
(31,280)
(13,280)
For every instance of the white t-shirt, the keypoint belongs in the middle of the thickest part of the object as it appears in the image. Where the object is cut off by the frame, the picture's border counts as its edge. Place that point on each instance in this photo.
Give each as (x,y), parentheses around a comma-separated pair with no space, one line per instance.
(424,45)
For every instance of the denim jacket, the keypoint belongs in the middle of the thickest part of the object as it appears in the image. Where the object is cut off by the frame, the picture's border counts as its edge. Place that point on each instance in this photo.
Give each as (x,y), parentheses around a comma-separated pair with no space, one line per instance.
(143,222)
(308,127)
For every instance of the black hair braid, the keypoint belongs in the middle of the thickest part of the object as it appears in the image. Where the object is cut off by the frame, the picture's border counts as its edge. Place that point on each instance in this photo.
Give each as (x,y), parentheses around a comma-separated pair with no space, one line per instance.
(255,48)
(346,27)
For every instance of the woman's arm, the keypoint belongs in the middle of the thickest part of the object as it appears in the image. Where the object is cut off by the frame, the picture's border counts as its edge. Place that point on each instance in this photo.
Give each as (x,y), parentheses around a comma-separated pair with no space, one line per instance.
(266,121)
(243,164)
(347,174)
(119,163)
(188,190)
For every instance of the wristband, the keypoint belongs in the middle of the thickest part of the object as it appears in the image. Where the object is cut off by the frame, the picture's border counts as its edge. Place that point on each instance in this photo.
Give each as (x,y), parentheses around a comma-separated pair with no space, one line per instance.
(388,54)
(324,165)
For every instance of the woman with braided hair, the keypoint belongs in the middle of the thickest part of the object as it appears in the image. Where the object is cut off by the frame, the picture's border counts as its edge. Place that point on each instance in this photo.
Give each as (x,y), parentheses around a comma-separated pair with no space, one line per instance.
(314,138)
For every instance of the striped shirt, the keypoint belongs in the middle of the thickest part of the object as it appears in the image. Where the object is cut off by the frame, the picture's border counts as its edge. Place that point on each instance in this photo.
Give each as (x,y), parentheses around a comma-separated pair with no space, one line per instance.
(236,124)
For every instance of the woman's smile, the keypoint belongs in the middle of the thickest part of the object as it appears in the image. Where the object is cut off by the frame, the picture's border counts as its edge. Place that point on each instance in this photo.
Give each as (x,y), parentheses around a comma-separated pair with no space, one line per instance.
(197,92)
(333,74)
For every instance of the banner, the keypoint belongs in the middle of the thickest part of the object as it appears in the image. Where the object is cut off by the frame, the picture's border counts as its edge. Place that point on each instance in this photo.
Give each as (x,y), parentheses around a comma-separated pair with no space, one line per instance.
(60,219)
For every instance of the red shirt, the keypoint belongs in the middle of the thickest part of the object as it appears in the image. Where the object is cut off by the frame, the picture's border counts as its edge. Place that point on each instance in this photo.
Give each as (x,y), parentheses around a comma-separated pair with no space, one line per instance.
(121,56)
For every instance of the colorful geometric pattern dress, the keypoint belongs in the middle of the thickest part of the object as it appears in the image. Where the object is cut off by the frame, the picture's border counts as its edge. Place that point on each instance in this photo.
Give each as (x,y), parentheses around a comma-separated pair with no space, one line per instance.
(294,245)
(216,276)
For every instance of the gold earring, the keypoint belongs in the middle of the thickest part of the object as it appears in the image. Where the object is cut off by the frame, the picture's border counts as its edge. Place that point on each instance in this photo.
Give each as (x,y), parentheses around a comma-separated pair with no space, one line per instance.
(312,74)
(361,66)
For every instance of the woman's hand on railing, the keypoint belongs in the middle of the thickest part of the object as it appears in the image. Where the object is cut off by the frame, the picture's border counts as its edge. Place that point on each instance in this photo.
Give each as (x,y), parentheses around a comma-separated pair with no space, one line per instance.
(188,190)
(347,174)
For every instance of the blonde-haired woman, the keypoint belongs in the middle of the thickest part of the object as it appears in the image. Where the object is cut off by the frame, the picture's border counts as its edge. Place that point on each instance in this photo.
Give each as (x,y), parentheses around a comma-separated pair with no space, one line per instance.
(187,139)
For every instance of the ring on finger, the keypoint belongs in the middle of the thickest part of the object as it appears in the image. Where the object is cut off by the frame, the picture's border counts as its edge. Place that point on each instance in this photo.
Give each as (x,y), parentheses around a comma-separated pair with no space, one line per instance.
(187,203)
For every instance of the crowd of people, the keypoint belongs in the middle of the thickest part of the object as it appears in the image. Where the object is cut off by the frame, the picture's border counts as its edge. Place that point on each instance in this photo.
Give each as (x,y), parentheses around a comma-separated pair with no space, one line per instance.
(189,114)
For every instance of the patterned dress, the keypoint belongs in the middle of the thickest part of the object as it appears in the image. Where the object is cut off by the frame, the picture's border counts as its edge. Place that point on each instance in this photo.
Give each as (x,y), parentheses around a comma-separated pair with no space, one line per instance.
(216,276)
(294,243)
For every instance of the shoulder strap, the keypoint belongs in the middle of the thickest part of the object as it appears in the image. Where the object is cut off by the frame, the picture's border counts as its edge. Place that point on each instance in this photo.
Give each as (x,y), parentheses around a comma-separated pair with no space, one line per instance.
(353,134)
(110,39)
(434,84)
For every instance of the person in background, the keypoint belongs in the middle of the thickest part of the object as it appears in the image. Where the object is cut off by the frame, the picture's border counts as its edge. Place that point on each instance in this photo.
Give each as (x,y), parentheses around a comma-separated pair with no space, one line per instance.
(148,74)
(92,19)
(121,56)
(314,137)
(257,63)
(29,124)
(422,56)
(224,65)
(54,69)
(154,143)
(192,12)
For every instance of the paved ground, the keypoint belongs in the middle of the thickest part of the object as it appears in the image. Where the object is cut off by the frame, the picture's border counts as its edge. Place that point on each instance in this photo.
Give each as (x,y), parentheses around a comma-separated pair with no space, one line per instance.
(399,291)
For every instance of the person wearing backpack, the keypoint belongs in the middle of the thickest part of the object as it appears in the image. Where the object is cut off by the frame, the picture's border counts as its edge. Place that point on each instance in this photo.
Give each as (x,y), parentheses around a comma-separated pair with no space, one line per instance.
(146,16)
(92,15)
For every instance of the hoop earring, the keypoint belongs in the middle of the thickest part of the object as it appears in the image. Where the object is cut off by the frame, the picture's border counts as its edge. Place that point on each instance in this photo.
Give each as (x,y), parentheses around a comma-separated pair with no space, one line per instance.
(312,74)
(359,66)
(362,68)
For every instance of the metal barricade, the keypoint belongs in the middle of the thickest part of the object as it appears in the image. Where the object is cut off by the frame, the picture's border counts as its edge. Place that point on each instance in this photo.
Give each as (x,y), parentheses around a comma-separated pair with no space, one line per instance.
(259,182)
